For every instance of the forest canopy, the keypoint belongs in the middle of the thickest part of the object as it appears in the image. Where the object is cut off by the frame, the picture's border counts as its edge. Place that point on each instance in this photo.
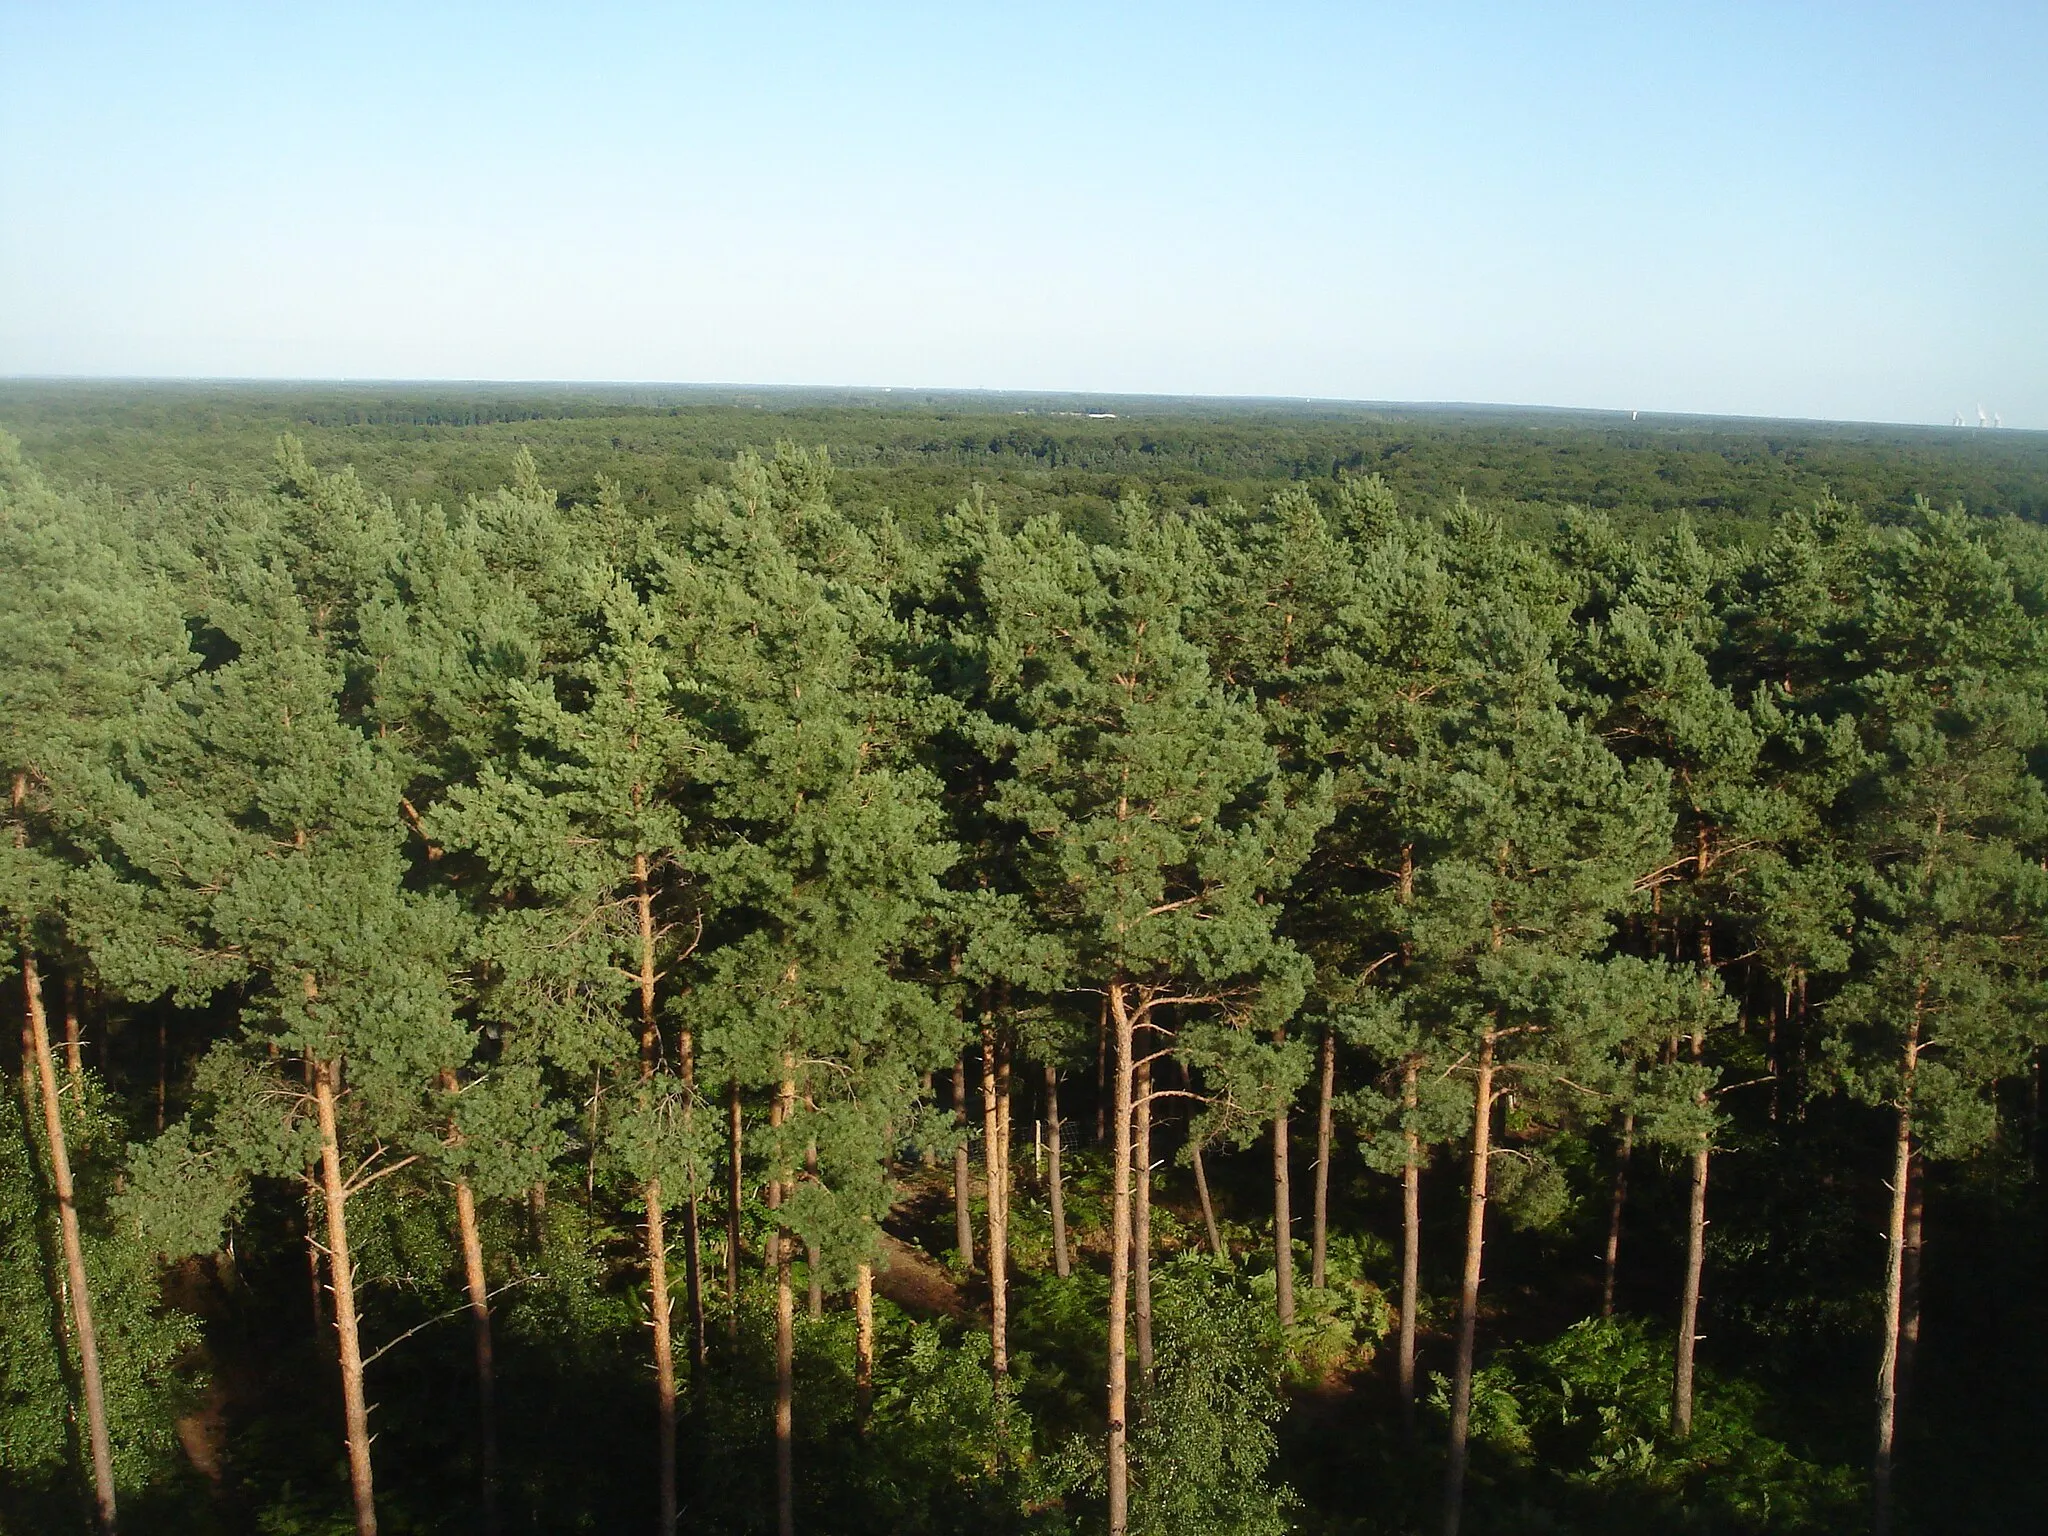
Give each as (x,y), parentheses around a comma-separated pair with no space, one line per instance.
(599,961)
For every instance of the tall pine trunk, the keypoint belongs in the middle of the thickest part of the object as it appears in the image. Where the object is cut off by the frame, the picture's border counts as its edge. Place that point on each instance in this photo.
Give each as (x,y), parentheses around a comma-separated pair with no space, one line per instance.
(1062,1261)
(1283,1217)
(995,1156)
(693,1237)
(1411,1240)
(355,1409)
(1208,1204)
(1411,1188)
(1319,1244)
(814,1262)
(313,1252)
(1689,1297)
(1696,1216)
(963,1178)
(1617,1202)
(1895,1278)
(1781,1011)
(1468,1295)
(91,1387)
(664,1354)
(480,1336)
(1102,1074)
(785,1386)
(657,1237)
(1909,1278)
(1119,1265)
(1141,1219)
(735,1196)
(478,1288)
(74,1056)
(315,1281)
(863,1342)
(785,1335)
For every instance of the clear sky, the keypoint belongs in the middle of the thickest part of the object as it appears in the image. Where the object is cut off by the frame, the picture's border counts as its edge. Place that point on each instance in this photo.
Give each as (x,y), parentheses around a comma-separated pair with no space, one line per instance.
(1775,209)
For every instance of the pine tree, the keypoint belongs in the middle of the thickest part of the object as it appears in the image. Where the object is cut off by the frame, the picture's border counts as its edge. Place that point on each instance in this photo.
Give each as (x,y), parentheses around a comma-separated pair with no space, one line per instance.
(1948,822)
(254,836)
(586,830)
(1279,618)
(1156,819)
(86,634)
(1650,624)
(832,871)
(1535,839)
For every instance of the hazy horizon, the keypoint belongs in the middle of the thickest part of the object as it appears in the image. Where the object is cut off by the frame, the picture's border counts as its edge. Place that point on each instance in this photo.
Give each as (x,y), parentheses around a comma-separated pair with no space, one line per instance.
(952,392)
(1812,214)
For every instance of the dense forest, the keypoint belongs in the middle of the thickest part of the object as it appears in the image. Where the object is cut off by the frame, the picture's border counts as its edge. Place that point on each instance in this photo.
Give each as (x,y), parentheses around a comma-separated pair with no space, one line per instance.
(630,962)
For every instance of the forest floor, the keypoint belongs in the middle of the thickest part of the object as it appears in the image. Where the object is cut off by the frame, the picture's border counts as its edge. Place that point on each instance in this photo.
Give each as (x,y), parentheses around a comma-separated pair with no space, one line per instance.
(916,1282)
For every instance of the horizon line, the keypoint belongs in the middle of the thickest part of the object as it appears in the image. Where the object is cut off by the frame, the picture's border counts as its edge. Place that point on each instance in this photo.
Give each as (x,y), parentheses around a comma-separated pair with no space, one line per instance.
(1635,415)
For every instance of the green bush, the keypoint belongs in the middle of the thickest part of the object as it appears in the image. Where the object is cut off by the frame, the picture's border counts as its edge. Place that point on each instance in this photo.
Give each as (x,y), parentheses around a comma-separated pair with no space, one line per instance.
(1576,1433)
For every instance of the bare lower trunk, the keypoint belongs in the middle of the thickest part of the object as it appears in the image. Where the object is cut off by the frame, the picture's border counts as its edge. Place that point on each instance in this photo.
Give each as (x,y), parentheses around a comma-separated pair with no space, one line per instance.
(1283,1223)
(664,1354)
(1781,1010)
(995,1153)
(772,1257)
(963,1178)
(74,1059)
(1102,1075)
(1119,1267)
(785,1341)
(1799,1079)
(49,1249)
(1909,1280)
(317,1282)
(735,1195)
(314,1263)
(863,1342)
(1689,1298)
(1319,1242)
(785,1387)
(355,1410)
(693,1283)
(1696,1216)
(1141,1218)
(1468,1295)
(1208,1204)
(693,1257)
(1616,1203)
(591,1144)
(1411,1242)
(1062,1261)
(928,1158)
(90,1384)
(814,1262)
(1895,1286)
(657,1236)
(480,1336)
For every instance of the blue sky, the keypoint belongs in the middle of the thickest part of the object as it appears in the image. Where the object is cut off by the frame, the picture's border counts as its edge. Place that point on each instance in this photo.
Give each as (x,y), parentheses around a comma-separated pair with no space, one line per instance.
(1797,210)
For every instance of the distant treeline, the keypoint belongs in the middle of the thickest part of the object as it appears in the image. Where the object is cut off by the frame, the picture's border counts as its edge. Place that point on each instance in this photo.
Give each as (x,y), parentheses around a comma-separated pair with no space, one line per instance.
(916,452)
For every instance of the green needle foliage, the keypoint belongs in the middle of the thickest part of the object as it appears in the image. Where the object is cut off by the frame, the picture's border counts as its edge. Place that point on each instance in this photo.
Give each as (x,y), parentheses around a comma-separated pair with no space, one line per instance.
(563,902)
